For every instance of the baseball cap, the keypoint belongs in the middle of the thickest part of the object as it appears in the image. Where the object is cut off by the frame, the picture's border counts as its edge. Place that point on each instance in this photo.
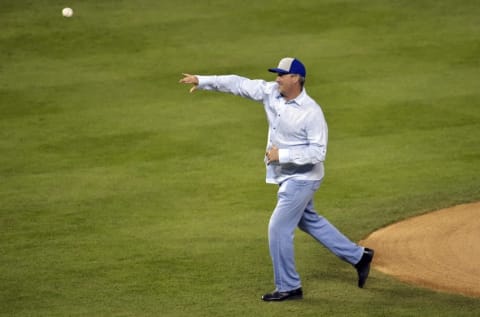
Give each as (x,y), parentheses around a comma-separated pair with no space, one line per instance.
(289,65)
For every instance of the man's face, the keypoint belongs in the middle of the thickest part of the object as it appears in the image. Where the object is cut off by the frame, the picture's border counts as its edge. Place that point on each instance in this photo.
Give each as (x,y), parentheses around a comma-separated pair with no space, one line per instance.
(286,83)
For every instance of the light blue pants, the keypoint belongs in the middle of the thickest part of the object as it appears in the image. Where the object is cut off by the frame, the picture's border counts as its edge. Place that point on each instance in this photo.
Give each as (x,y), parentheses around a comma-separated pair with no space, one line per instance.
(295,208)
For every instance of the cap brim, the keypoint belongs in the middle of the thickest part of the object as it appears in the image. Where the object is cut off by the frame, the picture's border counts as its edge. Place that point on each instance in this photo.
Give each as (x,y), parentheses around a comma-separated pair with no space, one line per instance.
(277,70)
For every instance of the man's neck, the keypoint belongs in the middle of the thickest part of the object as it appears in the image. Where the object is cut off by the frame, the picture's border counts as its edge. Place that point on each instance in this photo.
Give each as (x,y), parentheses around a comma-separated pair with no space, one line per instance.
(292,95)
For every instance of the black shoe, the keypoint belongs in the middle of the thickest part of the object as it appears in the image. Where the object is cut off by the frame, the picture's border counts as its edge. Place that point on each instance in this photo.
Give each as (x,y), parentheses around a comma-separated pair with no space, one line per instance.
(279,296)
(363,266)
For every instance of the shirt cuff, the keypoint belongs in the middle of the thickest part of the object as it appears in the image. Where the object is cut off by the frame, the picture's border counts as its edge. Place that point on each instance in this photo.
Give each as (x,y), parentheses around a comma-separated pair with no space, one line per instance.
(283,155)
(205,81)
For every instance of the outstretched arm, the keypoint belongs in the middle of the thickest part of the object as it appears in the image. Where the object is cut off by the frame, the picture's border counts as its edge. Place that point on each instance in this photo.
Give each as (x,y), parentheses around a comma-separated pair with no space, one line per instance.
(240,86)
(190,79)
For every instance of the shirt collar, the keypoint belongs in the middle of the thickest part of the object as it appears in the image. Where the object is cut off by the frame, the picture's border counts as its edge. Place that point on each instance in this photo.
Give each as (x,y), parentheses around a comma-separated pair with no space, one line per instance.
(297,101)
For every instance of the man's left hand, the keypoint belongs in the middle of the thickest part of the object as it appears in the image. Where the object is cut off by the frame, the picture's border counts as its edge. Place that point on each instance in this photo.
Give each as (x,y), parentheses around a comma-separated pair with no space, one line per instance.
(272,155)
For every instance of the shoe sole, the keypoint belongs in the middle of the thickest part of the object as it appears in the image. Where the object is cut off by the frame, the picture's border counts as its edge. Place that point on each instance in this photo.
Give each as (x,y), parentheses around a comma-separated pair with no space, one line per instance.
(295,297)
(364,280)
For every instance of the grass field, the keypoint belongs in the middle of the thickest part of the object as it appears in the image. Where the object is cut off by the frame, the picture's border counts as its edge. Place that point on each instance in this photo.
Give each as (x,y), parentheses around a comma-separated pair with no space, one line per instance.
(121,194)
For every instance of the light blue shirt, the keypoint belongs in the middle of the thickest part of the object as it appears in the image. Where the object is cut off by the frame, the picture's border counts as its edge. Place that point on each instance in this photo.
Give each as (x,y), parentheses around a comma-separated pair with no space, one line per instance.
(297,127)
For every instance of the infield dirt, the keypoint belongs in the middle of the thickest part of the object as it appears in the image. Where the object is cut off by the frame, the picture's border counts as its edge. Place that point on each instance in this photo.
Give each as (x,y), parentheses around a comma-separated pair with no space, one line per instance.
(438,250)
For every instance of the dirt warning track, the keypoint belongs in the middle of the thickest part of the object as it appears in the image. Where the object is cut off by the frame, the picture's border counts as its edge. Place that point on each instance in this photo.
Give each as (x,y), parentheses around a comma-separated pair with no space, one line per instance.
(439,250)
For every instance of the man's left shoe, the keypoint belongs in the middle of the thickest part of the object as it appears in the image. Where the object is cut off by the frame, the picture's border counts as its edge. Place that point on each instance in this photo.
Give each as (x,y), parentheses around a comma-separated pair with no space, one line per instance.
(363,266)
(280,296)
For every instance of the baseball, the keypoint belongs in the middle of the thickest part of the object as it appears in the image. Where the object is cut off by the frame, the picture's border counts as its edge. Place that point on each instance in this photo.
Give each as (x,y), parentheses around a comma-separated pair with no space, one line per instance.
(67,12)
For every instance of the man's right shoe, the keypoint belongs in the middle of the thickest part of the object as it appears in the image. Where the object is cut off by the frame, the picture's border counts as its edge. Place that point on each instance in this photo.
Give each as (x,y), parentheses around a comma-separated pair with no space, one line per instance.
(363,266)
(280,296)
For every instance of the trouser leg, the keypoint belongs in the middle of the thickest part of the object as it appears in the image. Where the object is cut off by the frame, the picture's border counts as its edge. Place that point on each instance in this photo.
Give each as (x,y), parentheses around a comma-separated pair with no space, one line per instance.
(293,197)
(328,235)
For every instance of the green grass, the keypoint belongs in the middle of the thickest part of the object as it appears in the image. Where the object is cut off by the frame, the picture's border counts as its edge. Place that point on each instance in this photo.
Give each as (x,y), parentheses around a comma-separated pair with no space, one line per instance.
(123,195)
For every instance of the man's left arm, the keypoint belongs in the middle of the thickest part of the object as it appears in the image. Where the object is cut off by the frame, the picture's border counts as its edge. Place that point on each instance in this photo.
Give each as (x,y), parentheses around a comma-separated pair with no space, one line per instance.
(315,149)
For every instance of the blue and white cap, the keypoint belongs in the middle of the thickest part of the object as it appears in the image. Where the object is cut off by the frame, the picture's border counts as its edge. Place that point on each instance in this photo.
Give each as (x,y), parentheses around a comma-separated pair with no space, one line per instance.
(289,65)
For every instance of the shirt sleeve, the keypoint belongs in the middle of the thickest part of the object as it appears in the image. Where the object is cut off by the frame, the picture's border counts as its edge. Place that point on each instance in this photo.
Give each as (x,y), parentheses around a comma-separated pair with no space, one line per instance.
(314,151)
(254,89)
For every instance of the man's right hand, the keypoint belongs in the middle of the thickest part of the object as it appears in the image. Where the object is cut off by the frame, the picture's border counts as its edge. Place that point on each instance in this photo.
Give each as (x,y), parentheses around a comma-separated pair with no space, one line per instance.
(190,79)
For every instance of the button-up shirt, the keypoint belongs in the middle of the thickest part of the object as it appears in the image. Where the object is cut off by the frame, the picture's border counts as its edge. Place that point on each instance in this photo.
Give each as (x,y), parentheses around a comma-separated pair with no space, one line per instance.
(297,127)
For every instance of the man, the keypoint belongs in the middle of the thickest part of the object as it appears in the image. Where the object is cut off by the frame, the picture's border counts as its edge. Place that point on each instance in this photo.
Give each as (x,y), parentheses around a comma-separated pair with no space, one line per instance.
(296,149)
